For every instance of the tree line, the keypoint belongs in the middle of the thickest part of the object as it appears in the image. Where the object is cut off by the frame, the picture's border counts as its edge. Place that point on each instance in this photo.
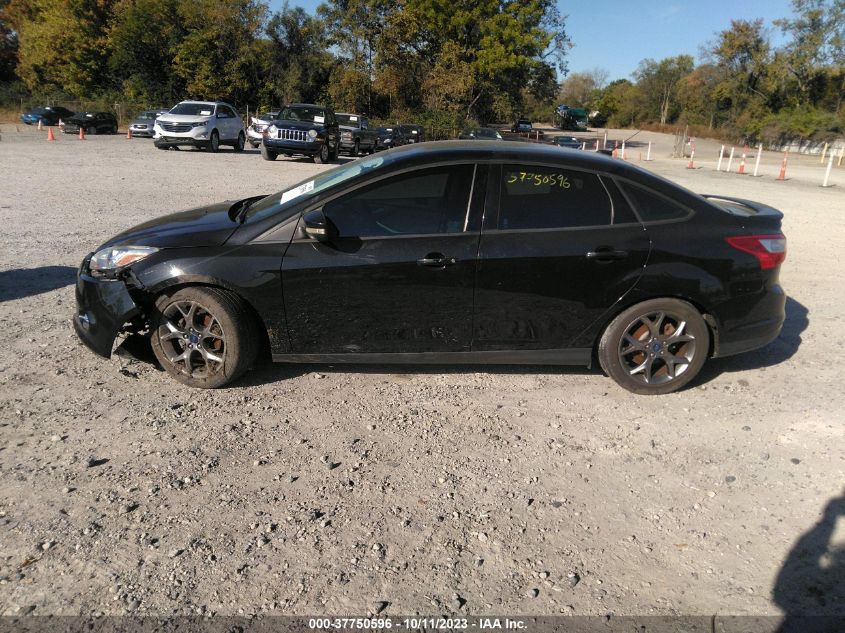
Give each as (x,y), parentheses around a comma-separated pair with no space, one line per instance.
(442,62)
(452,60)
(745,87)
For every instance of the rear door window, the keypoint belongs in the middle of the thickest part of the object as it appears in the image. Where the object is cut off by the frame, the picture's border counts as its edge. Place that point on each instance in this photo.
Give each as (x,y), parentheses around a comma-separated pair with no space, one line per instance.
(541,197)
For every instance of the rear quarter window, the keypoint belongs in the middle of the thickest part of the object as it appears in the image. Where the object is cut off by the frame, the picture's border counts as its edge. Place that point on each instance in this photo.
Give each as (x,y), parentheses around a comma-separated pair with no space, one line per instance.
(652,206)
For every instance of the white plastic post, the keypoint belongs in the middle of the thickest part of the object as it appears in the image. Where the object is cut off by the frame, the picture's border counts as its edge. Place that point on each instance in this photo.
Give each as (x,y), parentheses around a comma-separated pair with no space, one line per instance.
(721,153)
(730,159)
(757,162)
(827,171)
(583,145)
(648,153)
(824,152)
(605,140)
(623,151)
(597,145)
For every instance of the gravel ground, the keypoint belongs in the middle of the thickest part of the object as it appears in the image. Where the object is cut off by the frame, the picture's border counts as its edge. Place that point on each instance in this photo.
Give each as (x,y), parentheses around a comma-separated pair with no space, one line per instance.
(399,490)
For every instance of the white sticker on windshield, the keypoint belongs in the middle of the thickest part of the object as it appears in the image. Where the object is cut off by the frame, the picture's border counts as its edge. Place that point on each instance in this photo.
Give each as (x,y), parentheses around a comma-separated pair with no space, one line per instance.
(353,118)
(290,194)
(205,112)
(319,119)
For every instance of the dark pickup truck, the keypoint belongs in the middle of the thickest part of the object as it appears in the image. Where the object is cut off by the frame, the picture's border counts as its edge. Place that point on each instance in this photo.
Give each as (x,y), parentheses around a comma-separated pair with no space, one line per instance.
(355,134)
(302,128)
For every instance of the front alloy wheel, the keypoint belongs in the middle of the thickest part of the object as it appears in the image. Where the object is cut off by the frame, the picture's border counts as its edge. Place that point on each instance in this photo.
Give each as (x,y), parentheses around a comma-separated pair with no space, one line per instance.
(239,144)
(323,156)
(655,347)
(214,142)
(203,337)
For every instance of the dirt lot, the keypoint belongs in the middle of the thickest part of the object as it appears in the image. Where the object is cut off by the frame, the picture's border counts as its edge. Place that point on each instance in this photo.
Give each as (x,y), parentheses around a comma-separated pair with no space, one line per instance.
(314,489)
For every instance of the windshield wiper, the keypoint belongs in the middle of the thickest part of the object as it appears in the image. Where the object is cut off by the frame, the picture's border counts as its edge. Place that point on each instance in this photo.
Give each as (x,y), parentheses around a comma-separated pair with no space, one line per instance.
(237,212)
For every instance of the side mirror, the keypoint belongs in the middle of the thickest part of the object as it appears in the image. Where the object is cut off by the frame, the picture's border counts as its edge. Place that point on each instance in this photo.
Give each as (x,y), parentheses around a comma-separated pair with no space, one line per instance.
(317,227)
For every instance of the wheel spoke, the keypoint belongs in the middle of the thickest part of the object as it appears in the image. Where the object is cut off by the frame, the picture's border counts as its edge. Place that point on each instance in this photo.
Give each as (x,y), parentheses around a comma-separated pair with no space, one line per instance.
(173,332)
(634,345)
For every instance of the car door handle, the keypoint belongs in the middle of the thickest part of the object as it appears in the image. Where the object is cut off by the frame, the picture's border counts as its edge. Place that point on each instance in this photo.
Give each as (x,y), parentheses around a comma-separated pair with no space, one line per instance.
(436,260)
(606,254)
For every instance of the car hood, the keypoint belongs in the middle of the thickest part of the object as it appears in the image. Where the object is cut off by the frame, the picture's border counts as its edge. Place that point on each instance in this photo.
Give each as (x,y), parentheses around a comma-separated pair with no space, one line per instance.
(348,127)
(184,118)
(298,125)
(203,226)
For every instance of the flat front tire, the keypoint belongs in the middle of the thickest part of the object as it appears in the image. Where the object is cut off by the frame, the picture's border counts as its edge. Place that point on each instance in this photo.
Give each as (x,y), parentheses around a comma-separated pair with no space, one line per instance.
(655,347)
(204,337)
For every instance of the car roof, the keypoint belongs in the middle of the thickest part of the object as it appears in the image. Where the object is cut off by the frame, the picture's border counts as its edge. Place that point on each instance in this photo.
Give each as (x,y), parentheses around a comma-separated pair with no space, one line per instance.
(350,114)
(512,151)
(306,105)
(206,102)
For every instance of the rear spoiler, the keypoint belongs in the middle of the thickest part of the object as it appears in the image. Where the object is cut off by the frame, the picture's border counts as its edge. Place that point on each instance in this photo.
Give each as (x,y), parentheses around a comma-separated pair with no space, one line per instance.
(751,208)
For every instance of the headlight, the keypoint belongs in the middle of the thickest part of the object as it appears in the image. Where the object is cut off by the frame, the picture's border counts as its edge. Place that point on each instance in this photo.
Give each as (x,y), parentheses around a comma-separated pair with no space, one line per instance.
(200,124)
(272,129)
(312,133)
(110,259)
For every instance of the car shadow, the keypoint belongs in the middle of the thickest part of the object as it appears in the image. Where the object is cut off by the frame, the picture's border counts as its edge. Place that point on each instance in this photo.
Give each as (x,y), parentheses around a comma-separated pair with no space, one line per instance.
(781,349)
(810,586)
(26,282)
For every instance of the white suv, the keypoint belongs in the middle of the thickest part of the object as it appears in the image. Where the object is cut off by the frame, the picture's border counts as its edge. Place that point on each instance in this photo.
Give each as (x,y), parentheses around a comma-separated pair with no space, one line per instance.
(206,124)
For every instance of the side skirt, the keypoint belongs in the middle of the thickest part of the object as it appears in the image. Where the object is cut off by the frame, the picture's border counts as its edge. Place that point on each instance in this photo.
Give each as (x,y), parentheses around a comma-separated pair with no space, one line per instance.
(574,356)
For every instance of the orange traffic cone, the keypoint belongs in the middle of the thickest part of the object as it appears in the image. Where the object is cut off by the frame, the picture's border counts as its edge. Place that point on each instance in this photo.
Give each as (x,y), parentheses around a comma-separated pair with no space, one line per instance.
(691,163)
(50,136)
(129,133)
(782,174)
(615,149)
(81,133)
(742,160)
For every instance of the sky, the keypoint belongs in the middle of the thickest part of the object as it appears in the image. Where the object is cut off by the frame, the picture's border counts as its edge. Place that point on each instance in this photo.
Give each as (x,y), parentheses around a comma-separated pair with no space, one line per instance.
(616,34)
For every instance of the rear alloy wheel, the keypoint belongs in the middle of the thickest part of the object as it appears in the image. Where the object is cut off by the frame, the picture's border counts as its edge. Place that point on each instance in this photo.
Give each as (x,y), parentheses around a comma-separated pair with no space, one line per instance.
(655,347)
(323,156)
(239,144)
(214,142)
(91,130)
(267,154)
(203,337)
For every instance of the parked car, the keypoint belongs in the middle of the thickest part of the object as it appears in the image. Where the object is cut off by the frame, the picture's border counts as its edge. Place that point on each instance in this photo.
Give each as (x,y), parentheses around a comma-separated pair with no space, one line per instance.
(567,118)
(356,134)
(304,129)
(480,133)
(412,133)
(449,252)
(388,137)
(569,142)
(48,115)
(91,122)
(259,123)
(143,124)
(522,126)
(203,124)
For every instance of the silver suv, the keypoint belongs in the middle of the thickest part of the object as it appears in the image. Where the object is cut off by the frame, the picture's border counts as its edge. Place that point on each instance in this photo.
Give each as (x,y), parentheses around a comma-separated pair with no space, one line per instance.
(205,124)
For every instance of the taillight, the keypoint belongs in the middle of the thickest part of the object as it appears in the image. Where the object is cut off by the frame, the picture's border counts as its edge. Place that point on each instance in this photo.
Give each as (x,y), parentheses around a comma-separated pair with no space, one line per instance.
(770,250)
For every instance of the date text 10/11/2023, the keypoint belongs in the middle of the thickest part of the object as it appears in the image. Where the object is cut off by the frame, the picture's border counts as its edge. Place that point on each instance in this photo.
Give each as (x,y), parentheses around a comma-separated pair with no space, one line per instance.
(417,623)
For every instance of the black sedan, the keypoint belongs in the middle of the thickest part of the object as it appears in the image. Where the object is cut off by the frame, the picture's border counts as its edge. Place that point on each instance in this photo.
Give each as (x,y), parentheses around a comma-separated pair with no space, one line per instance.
(389,137)
(92,123)
(480,134)
(450,252)
(569,142)
(48,115)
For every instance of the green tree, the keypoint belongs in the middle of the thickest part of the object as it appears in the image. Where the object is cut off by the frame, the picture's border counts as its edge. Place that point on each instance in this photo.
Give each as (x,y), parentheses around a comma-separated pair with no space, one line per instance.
(299,65)
(581,88)
(143,38)
(659,81)
(62,43)
(8,46)
(220,56)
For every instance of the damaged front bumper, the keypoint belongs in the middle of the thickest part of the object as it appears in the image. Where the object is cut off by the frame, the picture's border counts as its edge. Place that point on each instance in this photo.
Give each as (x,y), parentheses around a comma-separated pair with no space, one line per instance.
(103,307)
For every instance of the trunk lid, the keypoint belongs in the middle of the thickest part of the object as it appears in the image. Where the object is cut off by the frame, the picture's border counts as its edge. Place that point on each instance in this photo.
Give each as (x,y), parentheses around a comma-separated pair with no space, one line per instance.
(750,214)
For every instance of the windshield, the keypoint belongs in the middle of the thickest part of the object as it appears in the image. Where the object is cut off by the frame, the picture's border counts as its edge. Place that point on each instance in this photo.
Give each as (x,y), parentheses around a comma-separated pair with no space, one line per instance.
(312,186)
(266,116)
(310,114)
(351,120)
(147,115)
(486,132)
(193,109)
(384,130)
